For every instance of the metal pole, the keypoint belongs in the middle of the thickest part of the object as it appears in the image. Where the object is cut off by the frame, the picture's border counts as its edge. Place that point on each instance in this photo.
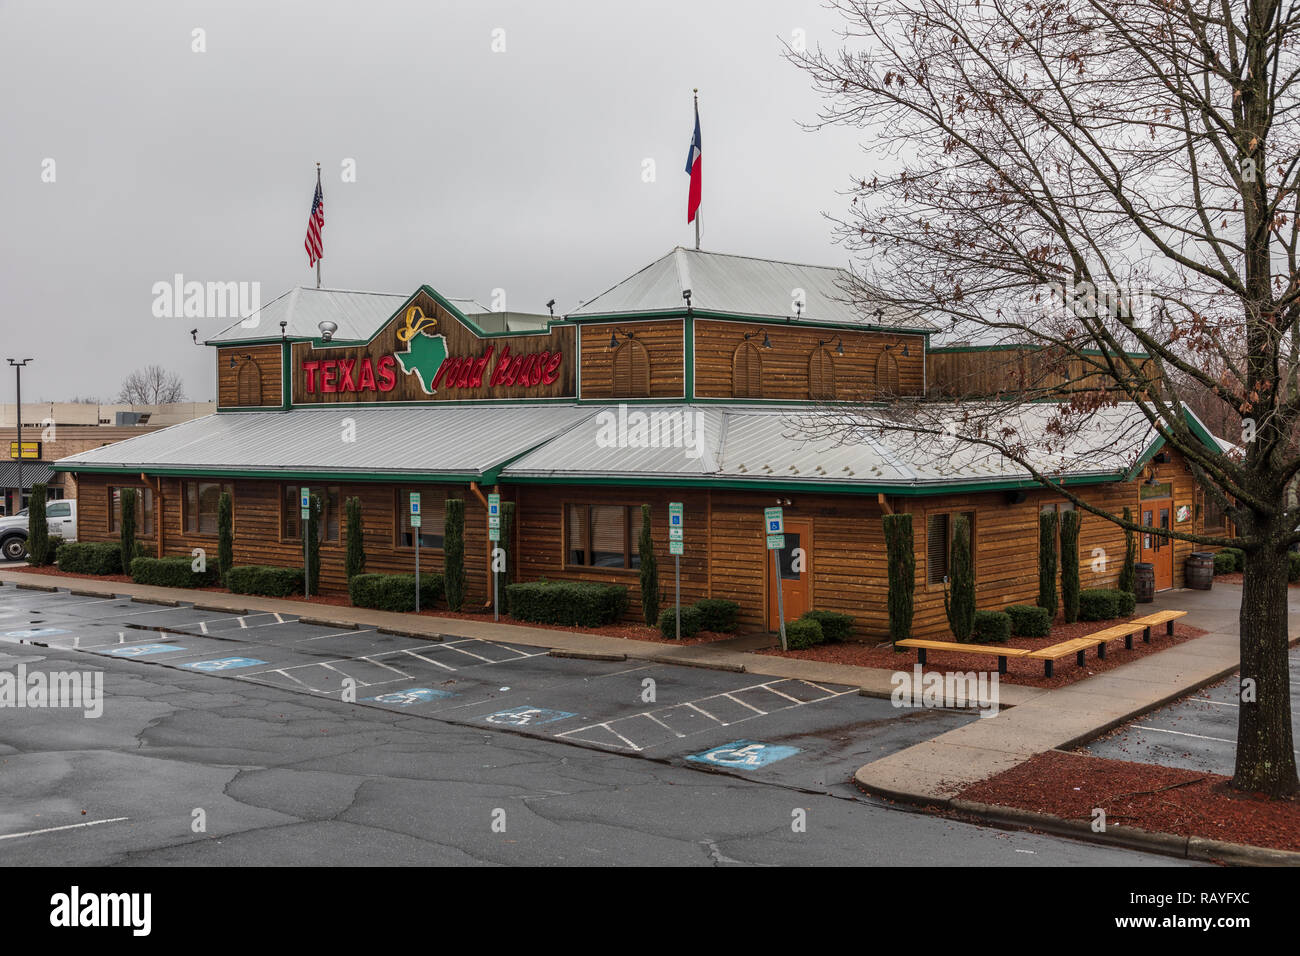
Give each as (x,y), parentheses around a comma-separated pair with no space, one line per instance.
(416,532)
(18,371)
(698,212)
(496,590)
(780,607)
(417,597)
(677,562)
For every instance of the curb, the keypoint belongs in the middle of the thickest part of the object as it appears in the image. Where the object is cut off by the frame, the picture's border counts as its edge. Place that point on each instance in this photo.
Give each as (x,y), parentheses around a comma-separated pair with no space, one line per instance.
(163,602)
(585,655)
(35,587)
(694,662)
(217,609)
(418,635)
(322,622)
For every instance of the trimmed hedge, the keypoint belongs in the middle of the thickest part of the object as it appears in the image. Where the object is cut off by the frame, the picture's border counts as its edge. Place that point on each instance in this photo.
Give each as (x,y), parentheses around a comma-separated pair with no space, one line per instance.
(717,614)
(836,627)
(583,603)
(264,580)
(805,632)
(692,621)
(1225,562)
(1293,566)
(1238,558)
(1029,620)
(992,627)
(90,557)
(393,592)
(176,572)
(1102,604)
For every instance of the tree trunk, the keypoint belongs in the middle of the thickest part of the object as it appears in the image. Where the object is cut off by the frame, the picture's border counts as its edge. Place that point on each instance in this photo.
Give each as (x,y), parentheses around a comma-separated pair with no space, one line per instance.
(1265,748)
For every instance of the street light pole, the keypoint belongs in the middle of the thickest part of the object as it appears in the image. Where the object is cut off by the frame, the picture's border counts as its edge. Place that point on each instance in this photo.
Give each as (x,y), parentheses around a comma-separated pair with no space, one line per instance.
(18,374)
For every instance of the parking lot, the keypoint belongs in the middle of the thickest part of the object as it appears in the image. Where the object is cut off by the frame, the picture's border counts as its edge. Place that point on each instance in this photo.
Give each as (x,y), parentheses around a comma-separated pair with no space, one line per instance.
(793,732)
(1198,732)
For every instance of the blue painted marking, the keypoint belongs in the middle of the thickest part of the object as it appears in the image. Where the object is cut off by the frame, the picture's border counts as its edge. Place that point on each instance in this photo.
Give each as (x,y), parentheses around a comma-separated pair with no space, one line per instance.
(416,695)
(141,650)
(527,716)
(36,632)
(744,755)
(224,664)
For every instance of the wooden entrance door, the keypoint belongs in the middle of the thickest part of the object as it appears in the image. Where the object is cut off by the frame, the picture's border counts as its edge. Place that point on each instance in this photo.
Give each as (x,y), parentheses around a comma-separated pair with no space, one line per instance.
(1159,551)
(796,573)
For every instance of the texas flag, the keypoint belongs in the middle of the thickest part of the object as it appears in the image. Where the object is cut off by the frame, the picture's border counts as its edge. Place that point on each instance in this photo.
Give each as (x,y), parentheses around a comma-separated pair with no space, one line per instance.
(694,166)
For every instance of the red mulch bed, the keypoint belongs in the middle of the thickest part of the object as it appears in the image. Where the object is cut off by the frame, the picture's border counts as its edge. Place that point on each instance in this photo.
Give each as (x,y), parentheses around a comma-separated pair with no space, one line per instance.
(1160,799)
(1236,578)
(635,632)
(1028,673)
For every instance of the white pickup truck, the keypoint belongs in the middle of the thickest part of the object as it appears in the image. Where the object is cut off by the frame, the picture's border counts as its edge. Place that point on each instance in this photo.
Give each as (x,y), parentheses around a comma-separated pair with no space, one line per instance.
(60,514)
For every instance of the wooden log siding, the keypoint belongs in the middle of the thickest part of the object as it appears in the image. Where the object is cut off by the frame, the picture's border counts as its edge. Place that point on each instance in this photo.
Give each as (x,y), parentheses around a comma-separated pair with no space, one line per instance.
(665,353)
(787,365)
(993,371)
(238,385)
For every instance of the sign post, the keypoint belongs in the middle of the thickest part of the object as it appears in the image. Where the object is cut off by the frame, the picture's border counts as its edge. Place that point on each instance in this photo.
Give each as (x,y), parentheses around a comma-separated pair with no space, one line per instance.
(774,522)
(304,495)
(494,536)
(675,529)
(416,520)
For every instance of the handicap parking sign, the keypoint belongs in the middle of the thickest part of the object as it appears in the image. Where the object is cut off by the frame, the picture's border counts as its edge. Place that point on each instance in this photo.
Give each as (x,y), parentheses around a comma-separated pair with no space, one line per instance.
(744,755)
(142,650)
(416,695)
(527,716)
(224,664)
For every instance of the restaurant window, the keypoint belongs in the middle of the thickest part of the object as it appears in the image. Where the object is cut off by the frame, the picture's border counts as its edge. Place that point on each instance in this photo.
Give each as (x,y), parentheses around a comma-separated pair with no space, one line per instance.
(747,371)
(601,536)
(432,517)
(887,374)
(330,513)
(1215,516)
(938,544)
(202,501)
(631,370)
(821,375)
(143,511)
(249,383)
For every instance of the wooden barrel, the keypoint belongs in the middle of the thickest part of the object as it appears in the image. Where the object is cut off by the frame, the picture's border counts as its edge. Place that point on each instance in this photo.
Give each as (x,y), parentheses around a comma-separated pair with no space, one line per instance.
(1144,583)
(1200,570)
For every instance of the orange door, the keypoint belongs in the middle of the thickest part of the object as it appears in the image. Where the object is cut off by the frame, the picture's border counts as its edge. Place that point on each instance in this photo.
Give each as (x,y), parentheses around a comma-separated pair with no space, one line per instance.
(795,561)
(1157,550)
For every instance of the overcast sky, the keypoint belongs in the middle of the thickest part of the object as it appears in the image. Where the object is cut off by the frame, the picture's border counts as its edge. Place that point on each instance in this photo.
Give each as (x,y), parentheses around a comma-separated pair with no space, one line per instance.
(475,170)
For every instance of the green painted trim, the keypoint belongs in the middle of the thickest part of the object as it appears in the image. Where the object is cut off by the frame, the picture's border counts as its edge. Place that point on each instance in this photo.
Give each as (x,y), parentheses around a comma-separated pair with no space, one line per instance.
(959,349)
(557,400)
(775,321)
(287,475)
(815,486)
(248,408)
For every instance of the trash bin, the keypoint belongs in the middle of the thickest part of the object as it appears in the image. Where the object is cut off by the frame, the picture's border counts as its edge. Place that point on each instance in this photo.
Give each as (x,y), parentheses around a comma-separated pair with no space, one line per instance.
(1144,584)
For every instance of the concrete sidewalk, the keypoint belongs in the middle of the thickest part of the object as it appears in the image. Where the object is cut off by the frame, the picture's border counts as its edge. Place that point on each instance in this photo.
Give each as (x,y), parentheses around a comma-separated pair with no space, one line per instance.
(937,770)
(874,682)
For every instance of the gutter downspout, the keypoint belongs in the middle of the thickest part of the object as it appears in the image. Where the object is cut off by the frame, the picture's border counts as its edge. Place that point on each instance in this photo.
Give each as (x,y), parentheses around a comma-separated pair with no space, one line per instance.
(884,504)
(478,493)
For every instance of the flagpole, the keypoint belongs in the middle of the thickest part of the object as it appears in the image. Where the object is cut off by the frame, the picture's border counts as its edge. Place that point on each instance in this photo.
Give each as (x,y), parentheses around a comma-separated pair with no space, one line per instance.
(318,260)
(697,211)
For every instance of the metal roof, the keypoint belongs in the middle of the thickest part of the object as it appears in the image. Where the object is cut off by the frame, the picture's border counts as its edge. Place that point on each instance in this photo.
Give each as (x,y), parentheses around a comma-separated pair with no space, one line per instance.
(34,472)
(358,315)
(459,440)
(743,286)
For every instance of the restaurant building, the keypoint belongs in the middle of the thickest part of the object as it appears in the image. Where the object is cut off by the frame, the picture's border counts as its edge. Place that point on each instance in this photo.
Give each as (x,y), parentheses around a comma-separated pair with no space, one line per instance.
(685,382)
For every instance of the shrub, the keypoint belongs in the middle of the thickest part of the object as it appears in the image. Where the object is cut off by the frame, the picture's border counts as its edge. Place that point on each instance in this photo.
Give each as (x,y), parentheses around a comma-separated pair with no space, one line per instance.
(225,534)
(960,604)
(805,632)
(1128,571)
(264,580)
(507,544)
(692,621)
(991,627)
(649,571)
(1225,562)
(90,557)
(836,627)
(1293,566)
(1102,604)
(393,592)
(127,536)
(581,603)
(901,555)
(453,552)
(1070,565)
(39,549)
(1047,562)
(717,614)
(355,558)
(1029,620)
(1238,558)
(176,572)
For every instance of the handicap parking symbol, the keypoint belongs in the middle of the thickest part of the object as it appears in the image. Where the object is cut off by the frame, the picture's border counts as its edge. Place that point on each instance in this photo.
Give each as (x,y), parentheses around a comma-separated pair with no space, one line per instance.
(527,716)
(36,632)
(224,664)
(416,695)
(744,755)
(142,650)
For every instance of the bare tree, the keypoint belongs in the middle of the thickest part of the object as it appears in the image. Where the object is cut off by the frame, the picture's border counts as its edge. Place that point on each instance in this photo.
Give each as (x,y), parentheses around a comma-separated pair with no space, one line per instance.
(151,385)
(1098,178)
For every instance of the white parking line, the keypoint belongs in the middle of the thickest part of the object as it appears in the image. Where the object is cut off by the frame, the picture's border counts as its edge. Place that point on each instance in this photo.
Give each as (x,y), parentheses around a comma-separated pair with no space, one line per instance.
(761,713)
(70,826)
(1182,733)
(428,660)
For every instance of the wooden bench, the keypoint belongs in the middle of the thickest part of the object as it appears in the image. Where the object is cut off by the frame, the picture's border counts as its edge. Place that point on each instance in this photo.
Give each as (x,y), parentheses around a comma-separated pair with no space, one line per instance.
(1166,618)
(1115,632)
(992,650)
(1076,646)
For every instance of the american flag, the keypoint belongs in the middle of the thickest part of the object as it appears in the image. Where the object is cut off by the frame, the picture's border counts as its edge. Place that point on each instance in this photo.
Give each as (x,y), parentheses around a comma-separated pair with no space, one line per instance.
(315,222)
